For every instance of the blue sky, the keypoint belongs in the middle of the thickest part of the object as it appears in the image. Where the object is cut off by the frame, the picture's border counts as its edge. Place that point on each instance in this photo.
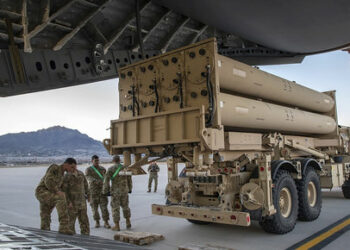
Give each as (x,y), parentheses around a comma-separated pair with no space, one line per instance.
(89,108)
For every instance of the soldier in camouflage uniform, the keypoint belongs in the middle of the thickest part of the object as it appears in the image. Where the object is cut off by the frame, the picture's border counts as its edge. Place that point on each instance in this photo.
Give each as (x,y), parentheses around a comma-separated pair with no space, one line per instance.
(76,188)
(50,195)
(121,186)
(153,170)
(95,176)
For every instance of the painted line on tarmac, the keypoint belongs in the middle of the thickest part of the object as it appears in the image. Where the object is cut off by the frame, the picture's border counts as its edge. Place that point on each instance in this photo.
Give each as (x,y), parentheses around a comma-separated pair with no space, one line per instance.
(325,236)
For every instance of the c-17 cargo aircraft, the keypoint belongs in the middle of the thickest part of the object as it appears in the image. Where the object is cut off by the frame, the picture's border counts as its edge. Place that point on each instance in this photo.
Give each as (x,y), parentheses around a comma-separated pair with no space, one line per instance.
(49,44)
(52,44)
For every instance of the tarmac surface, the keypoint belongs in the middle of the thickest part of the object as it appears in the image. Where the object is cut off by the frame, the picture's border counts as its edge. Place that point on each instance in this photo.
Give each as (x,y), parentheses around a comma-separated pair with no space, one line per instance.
(18,206)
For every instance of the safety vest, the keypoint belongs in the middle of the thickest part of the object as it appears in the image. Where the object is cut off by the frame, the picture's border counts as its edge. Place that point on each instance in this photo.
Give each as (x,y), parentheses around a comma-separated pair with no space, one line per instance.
(97,172)
(117,171)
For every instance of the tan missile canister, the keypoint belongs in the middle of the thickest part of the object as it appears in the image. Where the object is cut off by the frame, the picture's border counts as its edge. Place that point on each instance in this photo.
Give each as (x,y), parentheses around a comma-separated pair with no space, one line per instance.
(241,112)
(244,79)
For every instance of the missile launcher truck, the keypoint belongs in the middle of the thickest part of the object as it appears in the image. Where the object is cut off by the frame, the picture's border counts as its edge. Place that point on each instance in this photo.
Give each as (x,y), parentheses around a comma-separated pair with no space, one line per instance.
(254,146)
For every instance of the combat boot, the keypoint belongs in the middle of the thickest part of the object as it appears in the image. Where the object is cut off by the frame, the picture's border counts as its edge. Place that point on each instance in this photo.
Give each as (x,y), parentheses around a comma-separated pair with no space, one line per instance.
(155,190)
(97,225)
(128,223)
(116,227)
(149,190)
(106,225)
(66,231)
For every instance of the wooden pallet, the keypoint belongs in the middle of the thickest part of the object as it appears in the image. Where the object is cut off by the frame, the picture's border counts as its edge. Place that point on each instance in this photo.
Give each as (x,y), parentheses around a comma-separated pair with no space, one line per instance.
(203,247)
(138,238)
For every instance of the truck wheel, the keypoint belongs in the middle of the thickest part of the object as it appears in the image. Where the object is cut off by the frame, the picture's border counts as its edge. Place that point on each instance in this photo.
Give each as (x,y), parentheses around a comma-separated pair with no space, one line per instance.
(199,222)
(309,193)
(346,189)
(285,200)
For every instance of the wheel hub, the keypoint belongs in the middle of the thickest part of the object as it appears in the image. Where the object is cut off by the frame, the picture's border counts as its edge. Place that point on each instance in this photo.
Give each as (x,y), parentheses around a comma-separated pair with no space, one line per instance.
(311,194)
(285,202)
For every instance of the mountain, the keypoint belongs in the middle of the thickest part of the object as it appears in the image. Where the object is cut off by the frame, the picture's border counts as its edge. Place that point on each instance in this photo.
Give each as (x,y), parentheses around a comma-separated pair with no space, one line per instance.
(54,141)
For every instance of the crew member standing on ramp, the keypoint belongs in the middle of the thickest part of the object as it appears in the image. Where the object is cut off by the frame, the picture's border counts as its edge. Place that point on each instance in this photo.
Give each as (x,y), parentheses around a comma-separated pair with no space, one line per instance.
(50,195)
(76,188)
(153,170)
(121,186)
(95,176)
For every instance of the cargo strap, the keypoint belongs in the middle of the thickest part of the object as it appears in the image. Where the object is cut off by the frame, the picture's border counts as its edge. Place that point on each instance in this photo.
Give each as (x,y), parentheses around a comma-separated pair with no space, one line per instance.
(97,172)
(117,171)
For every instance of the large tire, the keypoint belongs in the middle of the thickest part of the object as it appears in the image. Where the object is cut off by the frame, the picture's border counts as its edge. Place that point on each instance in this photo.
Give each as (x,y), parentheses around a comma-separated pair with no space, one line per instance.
(346,189)
(199,222)
(285,200)
(310,198)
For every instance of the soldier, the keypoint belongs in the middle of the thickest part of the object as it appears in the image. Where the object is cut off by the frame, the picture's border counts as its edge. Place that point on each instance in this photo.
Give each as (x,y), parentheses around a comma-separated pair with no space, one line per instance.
(153,170)
(121,186)
(50,195)
(95,176)
(76,188)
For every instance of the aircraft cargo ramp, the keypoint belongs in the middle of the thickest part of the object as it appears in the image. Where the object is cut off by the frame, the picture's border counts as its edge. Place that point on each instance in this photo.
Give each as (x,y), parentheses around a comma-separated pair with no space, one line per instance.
(17,237)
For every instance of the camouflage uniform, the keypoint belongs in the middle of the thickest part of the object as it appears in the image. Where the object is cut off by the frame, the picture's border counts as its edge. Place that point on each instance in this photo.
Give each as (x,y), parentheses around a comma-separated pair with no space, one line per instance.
(47,194)
(96,196)
(121,186)
(76,188)
(153,170)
